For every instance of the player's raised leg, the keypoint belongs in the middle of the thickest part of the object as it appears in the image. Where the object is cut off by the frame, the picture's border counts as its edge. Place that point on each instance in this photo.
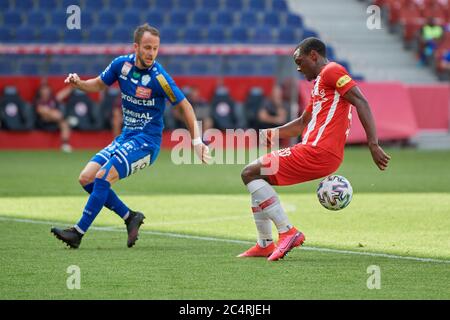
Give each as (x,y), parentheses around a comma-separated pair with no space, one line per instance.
(113,202)
(104,178)
(102,185)
(267,208)
(133,219)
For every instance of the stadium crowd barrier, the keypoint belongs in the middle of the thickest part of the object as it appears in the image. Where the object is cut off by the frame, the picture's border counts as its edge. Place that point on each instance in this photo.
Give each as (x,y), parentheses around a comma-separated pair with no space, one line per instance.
(400,110)
(238,85)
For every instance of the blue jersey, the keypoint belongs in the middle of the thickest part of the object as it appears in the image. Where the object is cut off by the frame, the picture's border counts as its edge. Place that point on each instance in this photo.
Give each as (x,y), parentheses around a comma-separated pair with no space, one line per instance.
(143,92)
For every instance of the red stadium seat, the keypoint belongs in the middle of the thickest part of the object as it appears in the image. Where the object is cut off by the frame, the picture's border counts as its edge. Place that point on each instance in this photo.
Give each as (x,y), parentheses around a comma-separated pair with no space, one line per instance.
(394,9)
(411,21)
(436,11)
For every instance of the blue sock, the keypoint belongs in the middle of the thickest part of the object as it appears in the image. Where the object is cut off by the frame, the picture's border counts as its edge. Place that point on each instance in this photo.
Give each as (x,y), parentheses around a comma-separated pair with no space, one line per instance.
(112,202)
(94,204)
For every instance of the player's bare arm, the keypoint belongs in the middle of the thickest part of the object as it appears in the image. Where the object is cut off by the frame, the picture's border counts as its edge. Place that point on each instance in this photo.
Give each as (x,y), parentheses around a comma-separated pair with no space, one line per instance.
(356,98)
(190,120)
(291,129)
(295,127)
(91,85)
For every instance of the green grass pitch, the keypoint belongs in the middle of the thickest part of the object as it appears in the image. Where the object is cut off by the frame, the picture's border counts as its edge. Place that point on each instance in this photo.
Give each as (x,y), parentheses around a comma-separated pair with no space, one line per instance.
(198,220)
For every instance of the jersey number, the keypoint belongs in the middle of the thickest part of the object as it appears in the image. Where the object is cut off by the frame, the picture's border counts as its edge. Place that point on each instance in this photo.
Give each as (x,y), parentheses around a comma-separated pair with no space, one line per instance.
(140,164)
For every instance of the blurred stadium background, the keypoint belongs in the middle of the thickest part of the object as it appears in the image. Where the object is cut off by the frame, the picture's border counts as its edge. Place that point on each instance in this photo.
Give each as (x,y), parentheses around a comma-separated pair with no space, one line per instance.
(234,52)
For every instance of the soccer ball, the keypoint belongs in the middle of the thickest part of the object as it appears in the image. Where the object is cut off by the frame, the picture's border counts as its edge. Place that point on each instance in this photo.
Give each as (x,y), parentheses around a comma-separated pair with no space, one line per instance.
(335,192)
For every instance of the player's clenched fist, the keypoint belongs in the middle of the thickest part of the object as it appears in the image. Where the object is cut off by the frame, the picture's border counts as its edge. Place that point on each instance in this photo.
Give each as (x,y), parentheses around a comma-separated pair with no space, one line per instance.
(72,79)
(267,137)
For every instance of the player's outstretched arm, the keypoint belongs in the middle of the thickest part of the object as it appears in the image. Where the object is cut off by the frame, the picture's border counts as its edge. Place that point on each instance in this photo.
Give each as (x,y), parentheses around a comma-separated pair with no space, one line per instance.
(91,85)
(356,98)
(190,120)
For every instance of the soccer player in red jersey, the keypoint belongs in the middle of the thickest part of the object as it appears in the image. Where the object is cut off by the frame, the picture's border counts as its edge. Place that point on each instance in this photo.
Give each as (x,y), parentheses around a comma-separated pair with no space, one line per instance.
(324,126)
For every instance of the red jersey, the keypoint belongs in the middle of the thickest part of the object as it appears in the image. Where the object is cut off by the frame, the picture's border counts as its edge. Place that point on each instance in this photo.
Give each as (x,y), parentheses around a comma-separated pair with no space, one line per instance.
(331,113)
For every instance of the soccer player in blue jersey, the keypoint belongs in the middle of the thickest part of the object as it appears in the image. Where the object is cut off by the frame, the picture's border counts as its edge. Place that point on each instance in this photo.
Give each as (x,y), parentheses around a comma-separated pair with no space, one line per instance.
(144,86)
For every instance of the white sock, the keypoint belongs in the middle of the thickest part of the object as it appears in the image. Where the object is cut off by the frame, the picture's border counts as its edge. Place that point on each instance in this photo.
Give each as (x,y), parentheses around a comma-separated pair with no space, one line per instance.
(267,199)
(263,225)
(262,221)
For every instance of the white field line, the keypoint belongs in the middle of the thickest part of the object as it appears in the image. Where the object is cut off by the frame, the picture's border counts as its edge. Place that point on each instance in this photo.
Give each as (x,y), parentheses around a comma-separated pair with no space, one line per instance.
(196,221)
(185,236)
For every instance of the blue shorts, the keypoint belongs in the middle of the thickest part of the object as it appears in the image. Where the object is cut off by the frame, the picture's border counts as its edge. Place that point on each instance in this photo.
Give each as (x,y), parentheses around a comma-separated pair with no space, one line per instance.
(128,156)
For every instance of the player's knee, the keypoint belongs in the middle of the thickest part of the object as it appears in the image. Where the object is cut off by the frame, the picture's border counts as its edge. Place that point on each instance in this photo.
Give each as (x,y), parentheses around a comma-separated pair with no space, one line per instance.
(85,178)
(247,174)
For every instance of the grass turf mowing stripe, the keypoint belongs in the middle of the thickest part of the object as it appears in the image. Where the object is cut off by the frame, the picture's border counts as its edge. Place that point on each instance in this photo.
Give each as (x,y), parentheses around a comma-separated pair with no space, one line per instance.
(176,235)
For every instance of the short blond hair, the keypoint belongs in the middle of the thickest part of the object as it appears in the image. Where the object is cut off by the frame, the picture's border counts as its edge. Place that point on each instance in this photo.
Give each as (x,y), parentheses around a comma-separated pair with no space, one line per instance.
(139,32)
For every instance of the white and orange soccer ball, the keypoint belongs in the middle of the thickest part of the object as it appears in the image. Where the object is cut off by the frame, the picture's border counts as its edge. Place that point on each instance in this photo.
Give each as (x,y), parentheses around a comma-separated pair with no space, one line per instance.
(335,192)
